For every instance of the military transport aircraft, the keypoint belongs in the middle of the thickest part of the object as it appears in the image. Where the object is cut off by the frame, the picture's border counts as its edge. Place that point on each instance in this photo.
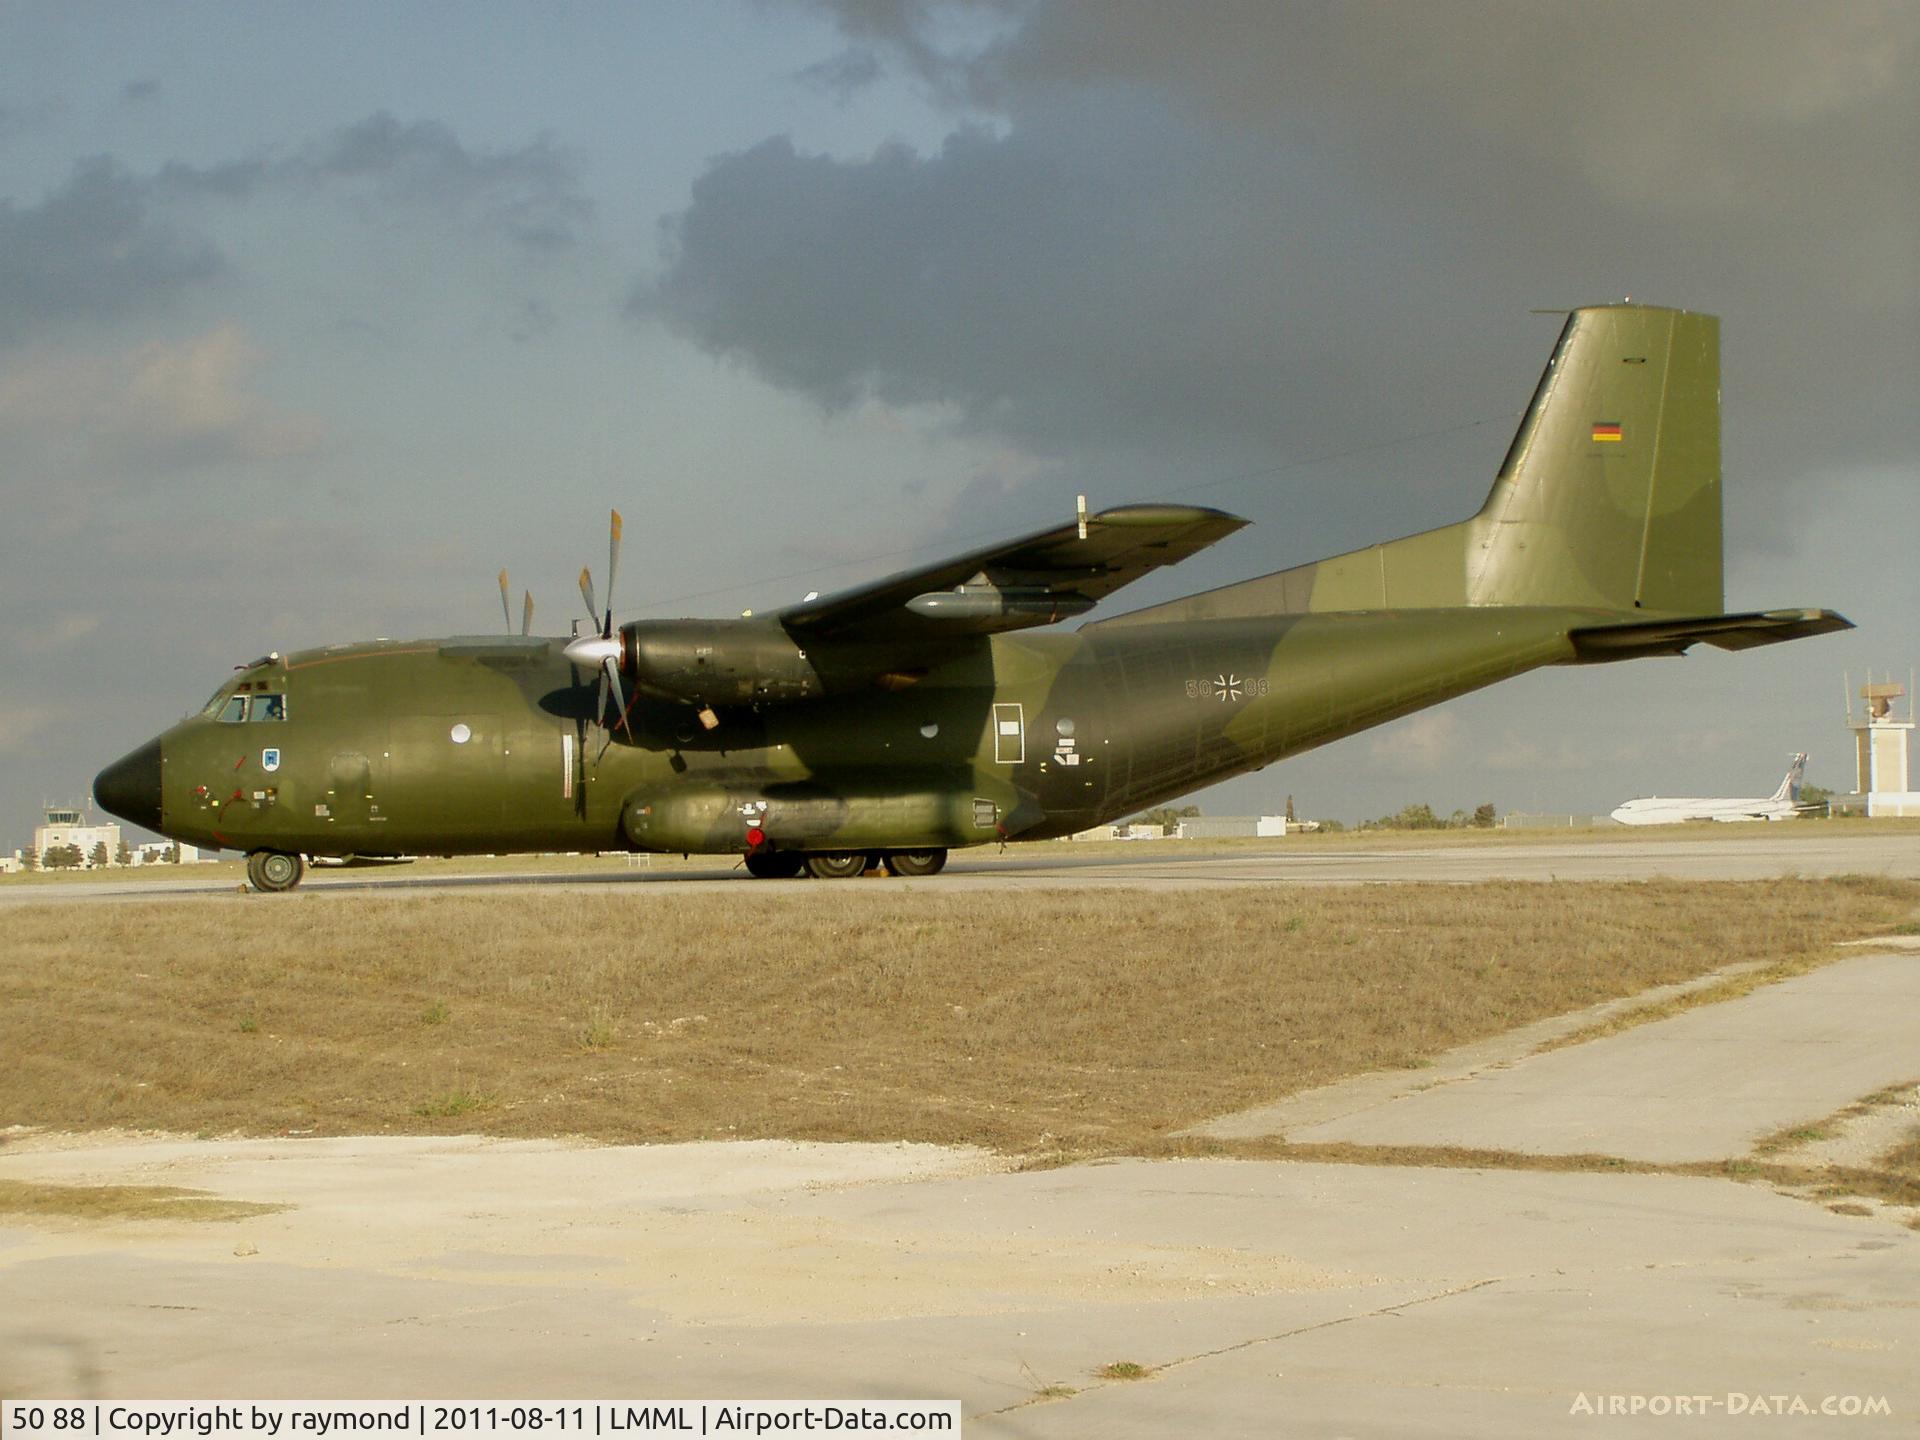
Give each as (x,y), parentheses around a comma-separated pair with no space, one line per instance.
(891,722)
(1783,804)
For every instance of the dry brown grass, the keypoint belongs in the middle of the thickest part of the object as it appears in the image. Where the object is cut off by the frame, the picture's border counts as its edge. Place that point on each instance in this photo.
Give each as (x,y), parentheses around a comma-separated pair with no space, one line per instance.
(1791,1137)
(1730,987)
(1036,1022)
(121,1202)
(1893,1178)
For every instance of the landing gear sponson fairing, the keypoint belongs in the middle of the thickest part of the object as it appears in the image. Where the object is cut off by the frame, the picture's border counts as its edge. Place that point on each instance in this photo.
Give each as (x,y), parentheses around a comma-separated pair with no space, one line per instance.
(903,718)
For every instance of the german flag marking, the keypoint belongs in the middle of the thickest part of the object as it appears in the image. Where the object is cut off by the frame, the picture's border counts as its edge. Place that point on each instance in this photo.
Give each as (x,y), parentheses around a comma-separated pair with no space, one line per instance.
(1606,430)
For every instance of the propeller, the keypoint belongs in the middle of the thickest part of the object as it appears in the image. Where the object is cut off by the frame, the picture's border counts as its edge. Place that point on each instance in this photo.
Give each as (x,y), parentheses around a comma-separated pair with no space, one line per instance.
(526,608)
(602,651)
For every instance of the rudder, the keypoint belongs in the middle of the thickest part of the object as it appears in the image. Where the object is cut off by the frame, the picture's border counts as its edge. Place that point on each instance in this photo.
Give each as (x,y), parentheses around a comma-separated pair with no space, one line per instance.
(1608,499)
(1610,493)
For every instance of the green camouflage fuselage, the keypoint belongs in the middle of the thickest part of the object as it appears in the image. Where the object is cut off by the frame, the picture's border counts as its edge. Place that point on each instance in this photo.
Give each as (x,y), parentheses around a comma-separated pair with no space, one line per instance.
(899,716)
(1028,736)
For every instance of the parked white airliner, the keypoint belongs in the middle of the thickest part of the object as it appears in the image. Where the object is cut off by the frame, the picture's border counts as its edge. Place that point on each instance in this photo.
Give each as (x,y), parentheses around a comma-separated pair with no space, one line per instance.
(1783,804)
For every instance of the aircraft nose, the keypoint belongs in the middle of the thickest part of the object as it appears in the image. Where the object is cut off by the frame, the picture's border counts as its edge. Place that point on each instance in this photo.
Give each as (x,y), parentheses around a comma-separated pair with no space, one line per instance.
(130,787)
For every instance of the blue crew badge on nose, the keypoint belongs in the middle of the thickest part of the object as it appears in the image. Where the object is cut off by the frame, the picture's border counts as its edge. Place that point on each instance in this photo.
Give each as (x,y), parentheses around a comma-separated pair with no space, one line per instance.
(270,759)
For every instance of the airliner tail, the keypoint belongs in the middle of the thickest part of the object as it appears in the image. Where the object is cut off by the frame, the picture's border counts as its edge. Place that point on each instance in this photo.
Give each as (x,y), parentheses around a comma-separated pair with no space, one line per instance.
(1790,787)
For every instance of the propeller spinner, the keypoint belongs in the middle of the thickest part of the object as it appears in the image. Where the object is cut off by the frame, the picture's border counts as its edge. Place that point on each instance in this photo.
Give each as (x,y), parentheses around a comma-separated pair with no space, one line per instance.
(602,651)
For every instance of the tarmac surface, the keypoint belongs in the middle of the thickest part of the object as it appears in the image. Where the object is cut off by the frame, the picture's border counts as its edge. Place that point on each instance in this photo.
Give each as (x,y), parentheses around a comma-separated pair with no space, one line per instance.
(1752,853)
(1706,1084)
(1263,1297)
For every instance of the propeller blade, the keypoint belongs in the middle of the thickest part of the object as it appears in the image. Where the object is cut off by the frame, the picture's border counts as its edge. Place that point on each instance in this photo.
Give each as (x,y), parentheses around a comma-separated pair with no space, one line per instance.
(586,593)
(613,564)
(505,608)
(612,672)
(526,614)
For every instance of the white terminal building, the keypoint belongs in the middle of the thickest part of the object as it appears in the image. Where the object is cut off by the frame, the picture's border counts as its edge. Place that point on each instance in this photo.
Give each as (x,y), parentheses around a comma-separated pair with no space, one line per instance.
(1881,785)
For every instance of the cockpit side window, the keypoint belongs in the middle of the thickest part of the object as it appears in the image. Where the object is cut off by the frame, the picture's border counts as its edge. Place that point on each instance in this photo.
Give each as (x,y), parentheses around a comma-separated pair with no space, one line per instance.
(250,700)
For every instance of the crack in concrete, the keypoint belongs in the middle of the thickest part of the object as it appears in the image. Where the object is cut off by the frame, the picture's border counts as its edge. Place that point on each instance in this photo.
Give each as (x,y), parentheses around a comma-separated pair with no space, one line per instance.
(1247,1344)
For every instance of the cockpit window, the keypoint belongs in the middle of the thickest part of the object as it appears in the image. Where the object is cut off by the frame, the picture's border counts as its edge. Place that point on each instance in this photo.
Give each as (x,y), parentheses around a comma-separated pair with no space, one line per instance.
(238,709)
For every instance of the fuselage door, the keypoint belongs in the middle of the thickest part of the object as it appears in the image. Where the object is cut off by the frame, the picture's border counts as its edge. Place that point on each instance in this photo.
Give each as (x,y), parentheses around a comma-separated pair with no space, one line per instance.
(1009,734)
(350,794)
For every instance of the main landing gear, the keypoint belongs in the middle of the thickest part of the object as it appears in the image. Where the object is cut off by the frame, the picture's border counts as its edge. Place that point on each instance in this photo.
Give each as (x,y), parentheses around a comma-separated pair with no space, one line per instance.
(844,865)
(917,862)
(274,870)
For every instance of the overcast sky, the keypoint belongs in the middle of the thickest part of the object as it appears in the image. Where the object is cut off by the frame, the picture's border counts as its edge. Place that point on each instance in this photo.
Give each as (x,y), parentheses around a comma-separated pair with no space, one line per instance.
(313,316)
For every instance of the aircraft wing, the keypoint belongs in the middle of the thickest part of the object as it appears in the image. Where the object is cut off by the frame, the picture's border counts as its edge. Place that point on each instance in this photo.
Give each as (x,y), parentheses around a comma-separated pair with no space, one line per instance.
(1033,580)
(1729,632)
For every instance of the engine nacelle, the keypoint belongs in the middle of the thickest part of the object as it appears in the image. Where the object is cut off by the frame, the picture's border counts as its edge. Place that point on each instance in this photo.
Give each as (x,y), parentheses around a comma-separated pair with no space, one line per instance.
(717,662)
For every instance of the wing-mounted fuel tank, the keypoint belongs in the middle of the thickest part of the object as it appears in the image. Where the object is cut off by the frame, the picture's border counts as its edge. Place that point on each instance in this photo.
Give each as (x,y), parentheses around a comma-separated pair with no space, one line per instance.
(735,815)
(713,663)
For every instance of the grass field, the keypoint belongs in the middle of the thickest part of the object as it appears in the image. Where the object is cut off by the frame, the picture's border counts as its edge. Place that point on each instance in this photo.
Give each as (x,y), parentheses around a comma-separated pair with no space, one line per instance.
(1036,1023)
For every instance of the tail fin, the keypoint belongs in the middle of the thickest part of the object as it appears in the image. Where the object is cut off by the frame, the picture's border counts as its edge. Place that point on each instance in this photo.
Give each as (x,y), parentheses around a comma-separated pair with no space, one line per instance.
(1790,787)
(1610,493)
(1609,496)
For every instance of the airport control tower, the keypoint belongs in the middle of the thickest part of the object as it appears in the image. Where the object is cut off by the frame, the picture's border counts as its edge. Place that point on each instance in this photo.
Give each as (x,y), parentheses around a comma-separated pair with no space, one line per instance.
(1880,751)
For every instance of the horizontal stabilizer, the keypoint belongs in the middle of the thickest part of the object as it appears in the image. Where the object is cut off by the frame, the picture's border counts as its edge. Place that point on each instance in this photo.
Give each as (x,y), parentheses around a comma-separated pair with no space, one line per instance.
(1636,638)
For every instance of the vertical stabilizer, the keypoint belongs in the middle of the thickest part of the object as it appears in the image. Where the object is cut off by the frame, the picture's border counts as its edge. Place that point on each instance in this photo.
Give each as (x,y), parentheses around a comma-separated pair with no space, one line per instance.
(1610,492)
(1790,787)
(1608,499)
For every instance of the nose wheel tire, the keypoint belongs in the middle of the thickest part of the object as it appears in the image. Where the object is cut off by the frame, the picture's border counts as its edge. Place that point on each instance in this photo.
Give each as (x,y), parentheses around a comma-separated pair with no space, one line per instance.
(274,870)
(836,867)
(774,865)
(917,862)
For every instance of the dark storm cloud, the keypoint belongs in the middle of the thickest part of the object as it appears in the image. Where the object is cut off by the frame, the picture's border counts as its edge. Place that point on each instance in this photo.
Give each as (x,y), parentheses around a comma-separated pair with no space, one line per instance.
(844,74)
(531,194)
(1254,227)
(1056,286)
(94,248)
(110,242)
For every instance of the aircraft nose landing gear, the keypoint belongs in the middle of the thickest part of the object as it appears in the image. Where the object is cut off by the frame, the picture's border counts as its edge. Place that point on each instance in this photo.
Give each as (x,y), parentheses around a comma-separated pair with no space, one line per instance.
(272,871)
